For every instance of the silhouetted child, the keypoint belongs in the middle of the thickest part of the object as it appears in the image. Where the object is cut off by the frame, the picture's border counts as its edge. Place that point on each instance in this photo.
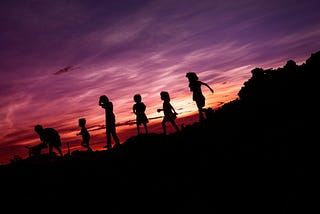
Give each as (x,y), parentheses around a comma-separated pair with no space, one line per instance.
(139,110)
(49,136)
(85,134)
(170,114)
(195,86)
(110,121)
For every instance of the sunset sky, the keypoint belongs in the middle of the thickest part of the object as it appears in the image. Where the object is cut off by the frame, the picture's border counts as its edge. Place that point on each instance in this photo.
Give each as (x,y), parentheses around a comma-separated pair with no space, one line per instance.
(58,57)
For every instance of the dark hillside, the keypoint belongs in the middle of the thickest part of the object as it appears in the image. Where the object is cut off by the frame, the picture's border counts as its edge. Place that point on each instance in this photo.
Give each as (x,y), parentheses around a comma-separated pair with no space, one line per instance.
(252,156)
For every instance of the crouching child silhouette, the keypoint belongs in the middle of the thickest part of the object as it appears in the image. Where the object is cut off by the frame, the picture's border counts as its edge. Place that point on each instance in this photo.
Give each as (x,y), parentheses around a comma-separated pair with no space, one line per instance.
(50,137)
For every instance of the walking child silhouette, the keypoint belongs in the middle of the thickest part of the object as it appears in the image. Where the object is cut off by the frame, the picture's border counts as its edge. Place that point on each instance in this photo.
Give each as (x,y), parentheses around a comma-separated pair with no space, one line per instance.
(84,133)
(195,87)
(170,114)
(139,110)
(110,121)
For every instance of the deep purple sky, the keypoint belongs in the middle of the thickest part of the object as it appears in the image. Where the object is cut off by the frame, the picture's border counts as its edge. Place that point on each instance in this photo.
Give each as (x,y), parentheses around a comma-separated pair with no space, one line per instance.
(58,57)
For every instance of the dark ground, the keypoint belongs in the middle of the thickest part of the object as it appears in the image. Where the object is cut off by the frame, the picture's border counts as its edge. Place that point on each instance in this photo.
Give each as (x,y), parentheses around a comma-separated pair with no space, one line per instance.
(178,173)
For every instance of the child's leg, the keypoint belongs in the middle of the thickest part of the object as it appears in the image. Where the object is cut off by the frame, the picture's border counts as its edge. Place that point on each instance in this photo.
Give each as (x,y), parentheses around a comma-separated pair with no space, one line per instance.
(146,127)
(138,128)
(50,148)
(115,137)
(59,150)
(200,105)
(108,140)
(164,127)
(175,125)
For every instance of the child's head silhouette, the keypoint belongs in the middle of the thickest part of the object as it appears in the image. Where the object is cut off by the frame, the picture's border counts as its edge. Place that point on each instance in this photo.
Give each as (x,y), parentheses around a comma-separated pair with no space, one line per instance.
(137,98)
(38,128)
(192,76)
(164,96)
(82,122)
(103,100)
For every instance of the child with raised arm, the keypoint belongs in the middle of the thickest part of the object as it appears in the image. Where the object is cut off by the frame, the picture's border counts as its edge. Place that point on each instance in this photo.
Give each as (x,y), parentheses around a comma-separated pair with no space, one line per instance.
(170,114)
(84,134)
(195,87)
(139,110)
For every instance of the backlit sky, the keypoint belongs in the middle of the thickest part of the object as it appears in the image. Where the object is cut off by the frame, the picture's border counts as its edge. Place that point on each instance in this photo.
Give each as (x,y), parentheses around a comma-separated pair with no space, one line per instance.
(58,57)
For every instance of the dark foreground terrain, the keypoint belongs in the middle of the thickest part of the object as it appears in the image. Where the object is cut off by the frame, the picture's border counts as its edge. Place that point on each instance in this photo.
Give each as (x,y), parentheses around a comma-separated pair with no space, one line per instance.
(253,155)
(174,174)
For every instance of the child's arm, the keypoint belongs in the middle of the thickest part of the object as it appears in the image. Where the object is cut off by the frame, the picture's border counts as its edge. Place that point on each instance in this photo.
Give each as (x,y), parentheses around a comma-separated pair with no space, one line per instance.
(134,109)
(174,111)
(79,133)
(205,84)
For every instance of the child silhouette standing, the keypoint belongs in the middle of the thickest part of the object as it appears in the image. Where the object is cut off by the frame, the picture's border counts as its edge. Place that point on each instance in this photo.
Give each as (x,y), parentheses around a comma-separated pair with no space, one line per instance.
(169,113)
(139,110)
(195,87)
(84,133)
(110,121)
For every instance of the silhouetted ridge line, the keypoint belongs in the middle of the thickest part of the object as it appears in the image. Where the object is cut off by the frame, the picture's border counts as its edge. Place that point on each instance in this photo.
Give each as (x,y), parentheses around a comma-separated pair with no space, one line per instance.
(281,94)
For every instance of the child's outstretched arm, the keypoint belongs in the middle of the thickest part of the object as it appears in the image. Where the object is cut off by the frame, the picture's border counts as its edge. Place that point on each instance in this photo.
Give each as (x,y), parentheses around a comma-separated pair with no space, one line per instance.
(205,84)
